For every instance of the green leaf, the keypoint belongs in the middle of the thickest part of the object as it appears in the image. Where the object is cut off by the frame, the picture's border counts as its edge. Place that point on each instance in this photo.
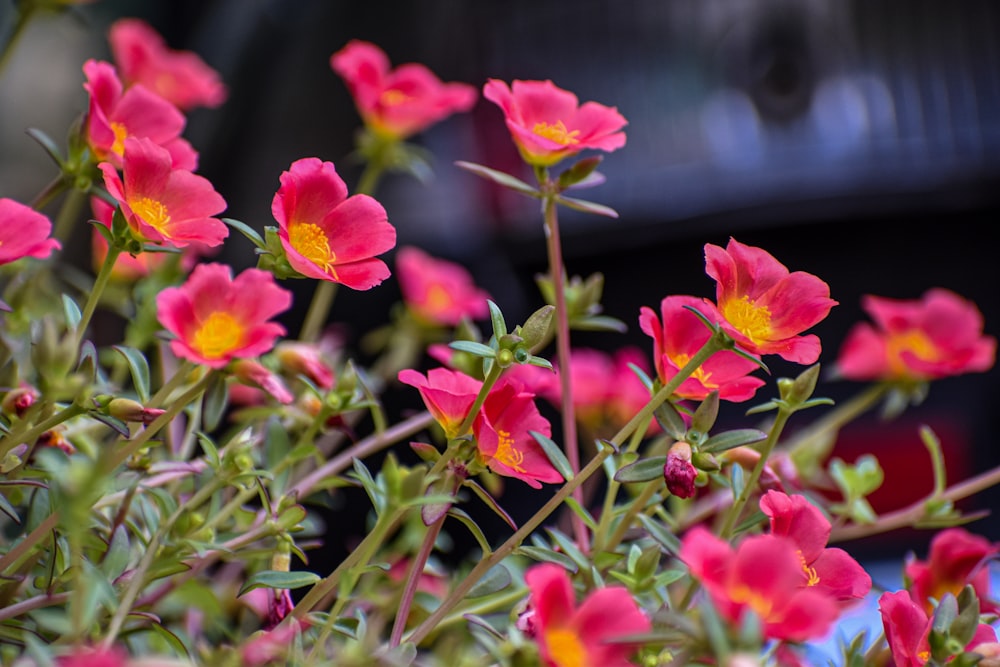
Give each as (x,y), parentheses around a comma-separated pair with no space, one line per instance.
(568,547)
(730,439)
(670,420)
(496,579)
(587,206)
(247,231)
(277,579)
(120,427)
(473,347)
(544,555)
(8,509)
(499,177)
(373,490)
(473,527)
(555,455)
(581,170)
(72,312)
(496,317)
(661,534)
(46,142)
(643,470)
(138,367)
(117,556)
(214,402)
(490,501)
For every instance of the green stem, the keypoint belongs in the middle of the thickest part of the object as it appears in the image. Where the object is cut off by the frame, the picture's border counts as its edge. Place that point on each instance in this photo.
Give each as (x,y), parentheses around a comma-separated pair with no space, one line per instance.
(69,214)
(812,439)
(369,178)
(610,495)
(20,23)
(484,391)
(19,436)
(40,532)
(637,505)
(413,580)
(56,187)
(95,293)
(178,378)
(319,309)
(718,341)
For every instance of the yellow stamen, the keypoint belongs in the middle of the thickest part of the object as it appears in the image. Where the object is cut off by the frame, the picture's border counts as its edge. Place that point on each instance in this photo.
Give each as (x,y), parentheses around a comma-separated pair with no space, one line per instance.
(437,298)
(312,243)
(152,212)
(393,97)
(811,575)
(118,148)
(218,335)
(748,318)
(507,454)
(915,342)
(557,133)
(742,594)
(565,648)
(705,378)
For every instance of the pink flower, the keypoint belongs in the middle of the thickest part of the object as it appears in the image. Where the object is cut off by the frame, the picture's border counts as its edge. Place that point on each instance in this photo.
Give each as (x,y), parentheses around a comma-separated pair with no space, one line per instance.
(401,102)
(679,337)
(24,232)
(764,307)
(936,336)
(265,647)
(678,471)
(503,435)
(831,571)
(548,123)
(216,318)
(763,575)
(957,558)
(326,234)
(93,657)
(114,115)
(438,291)
(180,77)
(584,636)
(448,395)
(163,204)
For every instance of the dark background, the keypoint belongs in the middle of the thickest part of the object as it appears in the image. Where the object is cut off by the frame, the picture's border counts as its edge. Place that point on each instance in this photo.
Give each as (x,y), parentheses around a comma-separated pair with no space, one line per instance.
(856,140)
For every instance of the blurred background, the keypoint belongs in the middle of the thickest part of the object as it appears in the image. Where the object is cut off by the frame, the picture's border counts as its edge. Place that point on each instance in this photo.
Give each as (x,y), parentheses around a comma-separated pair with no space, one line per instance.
(858,140)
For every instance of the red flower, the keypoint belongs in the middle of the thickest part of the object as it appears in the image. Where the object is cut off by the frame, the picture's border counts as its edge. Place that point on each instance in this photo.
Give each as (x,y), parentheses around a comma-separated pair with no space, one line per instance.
(762,576)
(438,291)
(326,234)
(448,395)
(114,115)
(584,636)
(764,307)
(24,232)
(163,204)
(831,571)
(503,435)
(679,337)
(548,123)
(957,558)
(216,318)
(678,471)
(401,102)
(180,77)
(939,335)
(93,657)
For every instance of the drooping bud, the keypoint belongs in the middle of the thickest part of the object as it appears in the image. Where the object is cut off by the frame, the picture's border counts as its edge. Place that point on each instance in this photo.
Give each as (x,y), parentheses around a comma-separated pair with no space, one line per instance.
(132,411)
(17,401)
(679,472)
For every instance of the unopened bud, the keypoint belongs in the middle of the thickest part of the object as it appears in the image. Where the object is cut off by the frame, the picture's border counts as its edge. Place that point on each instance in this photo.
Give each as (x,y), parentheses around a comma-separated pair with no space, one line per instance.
(132,411)
(253,373)
(305,359)
(678,471)
(17,401)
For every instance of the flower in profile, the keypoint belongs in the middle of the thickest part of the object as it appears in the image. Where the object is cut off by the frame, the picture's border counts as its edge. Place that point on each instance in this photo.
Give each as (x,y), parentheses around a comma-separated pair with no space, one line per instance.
(438,291)
(581,636)
(680,335)
(763,306)
(397,103)
(548,124)
(957,558)
(326,234)
(936,336)
(114,114)
(180,77)
(830,570)
(763,575)
(24,232)
(163,204)
(503,435)
(448,395)
(216,318)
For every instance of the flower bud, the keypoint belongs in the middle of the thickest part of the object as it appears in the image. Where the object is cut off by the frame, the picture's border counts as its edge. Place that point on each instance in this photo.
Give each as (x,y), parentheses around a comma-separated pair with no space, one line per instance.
(132,411)
(253,373)
(304,359)
(678,471)
(17,401)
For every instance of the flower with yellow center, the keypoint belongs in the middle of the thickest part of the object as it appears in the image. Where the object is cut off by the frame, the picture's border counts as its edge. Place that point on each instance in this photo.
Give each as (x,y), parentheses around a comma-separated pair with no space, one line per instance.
(565,648)
(118,147)
(218,335)
(557,132)
(507,453)
(748,318)
(312,243)
(913,341)
(153,212)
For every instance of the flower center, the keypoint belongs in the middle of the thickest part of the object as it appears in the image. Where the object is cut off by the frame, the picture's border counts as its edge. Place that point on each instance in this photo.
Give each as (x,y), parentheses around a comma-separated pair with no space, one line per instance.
(507,454)
(312,243)
(812,578)
(914,342)
(118,148)
(748,318)
(437,298)
(565,648)
(152,212)
(393,97)
(742,594)
(556,133)
(699,374)
(218,335)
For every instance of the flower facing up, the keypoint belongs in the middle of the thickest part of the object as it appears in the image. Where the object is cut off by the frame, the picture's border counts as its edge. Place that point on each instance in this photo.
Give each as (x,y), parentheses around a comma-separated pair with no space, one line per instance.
(907,628)
(217,318)
(764,307)
(326,234)
(503,435)
(163,204)
(114,114)
(763,575)
(584,636)
(24,232)
(957,558)
(448,395)
(180,77)
(438,291)
(831,571)
(548,124)
(679,336)
(397,103)
(936,336)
